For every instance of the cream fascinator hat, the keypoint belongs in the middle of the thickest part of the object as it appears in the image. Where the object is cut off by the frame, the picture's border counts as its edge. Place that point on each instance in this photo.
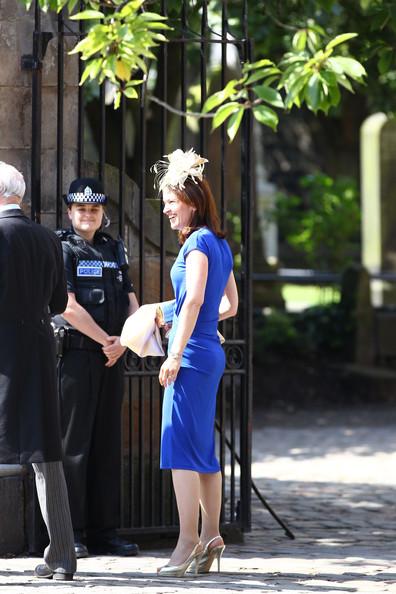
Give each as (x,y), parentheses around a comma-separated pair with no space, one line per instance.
(179,166)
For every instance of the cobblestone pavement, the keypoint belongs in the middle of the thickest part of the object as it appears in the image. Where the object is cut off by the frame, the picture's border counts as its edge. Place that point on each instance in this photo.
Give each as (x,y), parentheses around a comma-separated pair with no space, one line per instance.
(330,476)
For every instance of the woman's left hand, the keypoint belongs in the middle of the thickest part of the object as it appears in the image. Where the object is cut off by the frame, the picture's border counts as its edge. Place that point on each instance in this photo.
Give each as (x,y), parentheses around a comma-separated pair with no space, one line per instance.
(168,372)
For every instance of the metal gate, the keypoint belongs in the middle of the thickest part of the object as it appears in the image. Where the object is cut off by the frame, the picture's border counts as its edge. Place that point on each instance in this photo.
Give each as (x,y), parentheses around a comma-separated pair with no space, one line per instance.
(197,45)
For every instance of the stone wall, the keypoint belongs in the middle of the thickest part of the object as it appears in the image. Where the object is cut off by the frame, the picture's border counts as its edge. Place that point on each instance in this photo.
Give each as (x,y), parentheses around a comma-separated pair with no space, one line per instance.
(16,39)
(12,520)
(378,179)
(15,95)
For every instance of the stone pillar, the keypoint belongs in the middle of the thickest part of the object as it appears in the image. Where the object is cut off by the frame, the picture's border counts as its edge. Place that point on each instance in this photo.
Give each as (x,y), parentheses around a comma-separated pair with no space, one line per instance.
(12,523)
(378,181)
(358,315)
(16,26)
(16,40)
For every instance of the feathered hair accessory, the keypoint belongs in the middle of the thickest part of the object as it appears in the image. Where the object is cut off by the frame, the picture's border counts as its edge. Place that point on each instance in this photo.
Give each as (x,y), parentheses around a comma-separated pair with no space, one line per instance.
(180,166)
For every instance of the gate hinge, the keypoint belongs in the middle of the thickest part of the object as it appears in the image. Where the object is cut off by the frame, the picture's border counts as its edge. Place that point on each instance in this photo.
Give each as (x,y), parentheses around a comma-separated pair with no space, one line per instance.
(40,43)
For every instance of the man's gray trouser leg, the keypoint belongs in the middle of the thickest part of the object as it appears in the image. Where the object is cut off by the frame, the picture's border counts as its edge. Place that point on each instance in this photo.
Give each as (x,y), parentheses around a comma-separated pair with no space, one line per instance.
(54,504)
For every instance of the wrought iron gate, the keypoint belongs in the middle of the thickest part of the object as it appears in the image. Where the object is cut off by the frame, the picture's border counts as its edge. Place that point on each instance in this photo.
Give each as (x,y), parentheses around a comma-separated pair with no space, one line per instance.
(147,500)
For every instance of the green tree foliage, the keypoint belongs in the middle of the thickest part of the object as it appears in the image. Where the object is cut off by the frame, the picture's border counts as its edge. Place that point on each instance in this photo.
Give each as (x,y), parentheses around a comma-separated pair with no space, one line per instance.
(323,222)
(302,51)
(296,36)
(120,38)
(307,74)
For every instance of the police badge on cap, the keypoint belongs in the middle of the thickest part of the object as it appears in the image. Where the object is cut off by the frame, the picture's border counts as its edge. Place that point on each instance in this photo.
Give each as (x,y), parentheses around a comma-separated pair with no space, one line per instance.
(85,190)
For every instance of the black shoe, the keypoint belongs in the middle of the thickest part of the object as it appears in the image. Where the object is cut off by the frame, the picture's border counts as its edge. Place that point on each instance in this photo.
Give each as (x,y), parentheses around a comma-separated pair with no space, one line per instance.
(43,571)
(81,550)
(114,546)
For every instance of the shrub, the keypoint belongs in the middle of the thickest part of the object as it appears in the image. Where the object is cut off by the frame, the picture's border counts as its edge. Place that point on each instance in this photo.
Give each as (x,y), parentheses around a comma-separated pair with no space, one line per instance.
(323,223)
(322,331)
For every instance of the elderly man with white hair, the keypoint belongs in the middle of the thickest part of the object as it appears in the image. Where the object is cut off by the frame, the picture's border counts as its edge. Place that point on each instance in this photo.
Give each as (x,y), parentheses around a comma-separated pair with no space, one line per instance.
(32,286)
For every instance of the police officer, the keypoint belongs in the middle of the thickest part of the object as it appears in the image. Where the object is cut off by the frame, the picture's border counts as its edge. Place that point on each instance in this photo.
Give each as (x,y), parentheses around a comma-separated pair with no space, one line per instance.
(90,376)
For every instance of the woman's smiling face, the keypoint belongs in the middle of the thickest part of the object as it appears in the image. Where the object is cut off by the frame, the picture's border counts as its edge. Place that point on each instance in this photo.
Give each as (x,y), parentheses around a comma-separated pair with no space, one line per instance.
(86,218)
(178,212)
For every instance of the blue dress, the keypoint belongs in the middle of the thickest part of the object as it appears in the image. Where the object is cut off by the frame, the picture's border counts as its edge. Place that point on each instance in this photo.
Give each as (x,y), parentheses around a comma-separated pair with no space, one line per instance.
(189,406)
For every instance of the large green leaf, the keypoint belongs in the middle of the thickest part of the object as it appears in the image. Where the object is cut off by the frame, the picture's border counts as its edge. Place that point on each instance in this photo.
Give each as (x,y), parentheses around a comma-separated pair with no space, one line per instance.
(329,76)
(234,123)
(332,64)
(269,95)
(313,40)
(254,65)
(294,90)
(117,100)
(335,95)
(85,74)
(300,40)
(265,115)
(340,39)
(351,67)
(313,92)
(71,4)
(151,16)
(345,82)
(131,93)
(260,74)
(224,112)
(96,66)
(293,58)
(87,15)
(89,46)
(220,96)
(213,101)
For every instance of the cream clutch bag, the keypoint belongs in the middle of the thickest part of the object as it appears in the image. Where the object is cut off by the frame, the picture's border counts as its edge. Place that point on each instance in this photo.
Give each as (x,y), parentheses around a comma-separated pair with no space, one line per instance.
(141,334)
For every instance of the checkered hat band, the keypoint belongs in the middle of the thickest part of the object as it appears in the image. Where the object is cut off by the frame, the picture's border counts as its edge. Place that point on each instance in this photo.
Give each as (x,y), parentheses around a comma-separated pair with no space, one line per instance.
(86,198)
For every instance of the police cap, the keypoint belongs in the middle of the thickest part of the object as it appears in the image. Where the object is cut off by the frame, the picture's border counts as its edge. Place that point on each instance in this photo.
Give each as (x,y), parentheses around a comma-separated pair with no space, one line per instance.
(85,190)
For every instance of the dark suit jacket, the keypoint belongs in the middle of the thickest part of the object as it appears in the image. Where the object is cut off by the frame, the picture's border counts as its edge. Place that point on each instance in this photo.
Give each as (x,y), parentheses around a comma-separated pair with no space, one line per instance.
(32,285)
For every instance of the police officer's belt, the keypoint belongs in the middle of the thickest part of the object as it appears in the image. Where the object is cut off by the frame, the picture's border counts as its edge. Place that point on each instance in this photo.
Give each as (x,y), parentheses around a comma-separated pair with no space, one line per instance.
(76,340)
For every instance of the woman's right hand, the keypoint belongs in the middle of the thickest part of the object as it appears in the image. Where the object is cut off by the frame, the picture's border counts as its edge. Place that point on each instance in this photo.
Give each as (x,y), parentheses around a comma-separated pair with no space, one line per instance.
(159,317)
(169,370)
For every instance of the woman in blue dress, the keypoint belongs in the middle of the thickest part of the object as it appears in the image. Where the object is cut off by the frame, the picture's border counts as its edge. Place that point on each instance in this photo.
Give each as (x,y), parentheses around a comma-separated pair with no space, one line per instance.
(205,292)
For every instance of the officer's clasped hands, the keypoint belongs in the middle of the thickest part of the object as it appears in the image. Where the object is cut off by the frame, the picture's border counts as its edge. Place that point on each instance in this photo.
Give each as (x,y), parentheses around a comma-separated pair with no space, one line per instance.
(113,350)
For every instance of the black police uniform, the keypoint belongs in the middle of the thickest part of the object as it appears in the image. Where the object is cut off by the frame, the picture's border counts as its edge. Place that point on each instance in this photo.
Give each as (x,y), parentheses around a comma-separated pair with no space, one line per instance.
(90,393)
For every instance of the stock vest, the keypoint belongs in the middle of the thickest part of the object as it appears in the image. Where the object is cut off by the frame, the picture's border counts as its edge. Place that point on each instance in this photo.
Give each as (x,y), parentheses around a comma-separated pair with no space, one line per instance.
(97,273)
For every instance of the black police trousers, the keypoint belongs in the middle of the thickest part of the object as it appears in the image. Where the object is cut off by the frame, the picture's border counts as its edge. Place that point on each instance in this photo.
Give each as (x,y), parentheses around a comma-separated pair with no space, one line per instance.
(90,407)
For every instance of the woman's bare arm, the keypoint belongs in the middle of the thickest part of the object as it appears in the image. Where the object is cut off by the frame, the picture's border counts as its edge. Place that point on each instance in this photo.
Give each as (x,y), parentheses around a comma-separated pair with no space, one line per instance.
(229,303)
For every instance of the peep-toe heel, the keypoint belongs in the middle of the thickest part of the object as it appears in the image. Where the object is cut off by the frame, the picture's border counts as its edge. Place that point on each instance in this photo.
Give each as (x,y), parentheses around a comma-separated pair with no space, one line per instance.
(209,555)
(179,570)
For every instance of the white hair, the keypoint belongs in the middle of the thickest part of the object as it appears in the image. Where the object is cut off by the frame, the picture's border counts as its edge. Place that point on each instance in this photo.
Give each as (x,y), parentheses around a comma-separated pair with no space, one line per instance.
(12,183)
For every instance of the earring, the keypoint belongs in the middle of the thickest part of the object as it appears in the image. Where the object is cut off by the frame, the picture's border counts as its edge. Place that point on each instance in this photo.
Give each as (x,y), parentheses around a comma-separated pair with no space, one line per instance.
(106,221)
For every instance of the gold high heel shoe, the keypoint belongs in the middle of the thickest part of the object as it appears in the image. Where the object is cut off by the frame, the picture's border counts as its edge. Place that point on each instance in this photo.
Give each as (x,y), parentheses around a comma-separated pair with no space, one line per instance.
(180,570)
(209,555)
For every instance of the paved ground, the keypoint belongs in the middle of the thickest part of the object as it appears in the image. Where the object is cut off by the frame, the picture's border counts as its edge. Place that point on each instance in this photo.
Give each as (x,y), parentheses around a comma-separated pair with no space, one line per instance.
(330,475)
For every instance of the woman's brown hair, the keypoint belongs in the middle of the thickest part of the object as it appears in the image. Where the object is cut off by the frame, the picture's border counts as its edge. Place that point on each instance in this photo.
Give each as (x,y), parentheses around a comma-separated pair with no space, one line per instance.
(199,195)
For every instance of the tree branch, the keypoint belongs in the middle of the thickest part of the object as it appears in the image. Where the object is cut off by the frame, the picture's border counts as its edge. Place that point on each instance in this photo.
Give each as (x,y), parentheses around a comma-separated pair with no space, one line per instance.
(193,114)
(279,23)
(196,114)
